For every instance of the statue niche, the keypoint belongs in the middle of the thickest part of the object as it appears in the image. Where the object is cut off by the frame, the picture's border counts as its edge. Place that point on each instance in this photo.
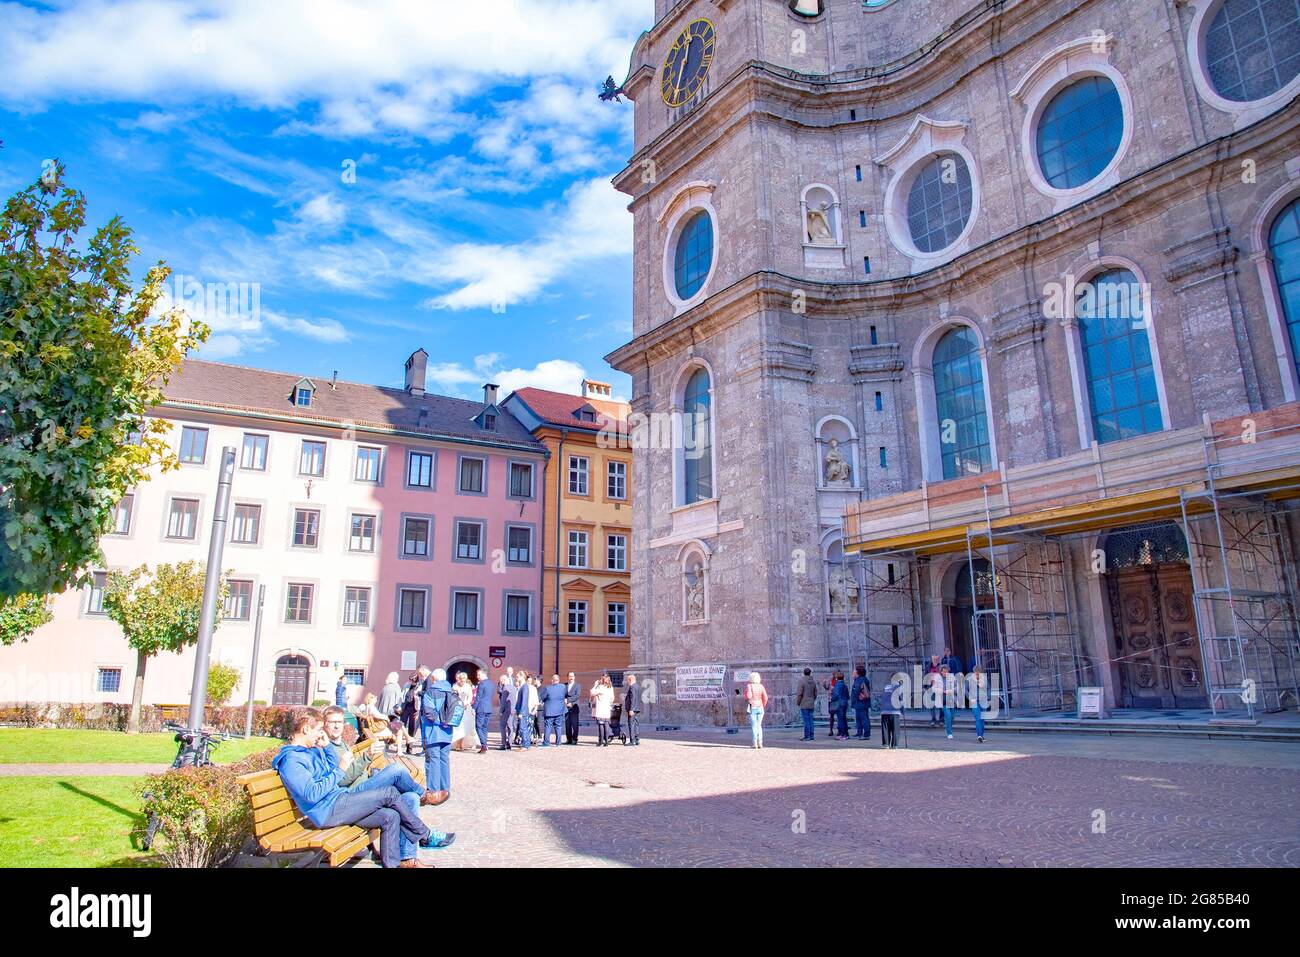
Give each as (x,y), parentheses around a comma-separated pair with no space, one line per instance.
(843,588)
(817,225)
(838,471)
(819,217)
(694,590)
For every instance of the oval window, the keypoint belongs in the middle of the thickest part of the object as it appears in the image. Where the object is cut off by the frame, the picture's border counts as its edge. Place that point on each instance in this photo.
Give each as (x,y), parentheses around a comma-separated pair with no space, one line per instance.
(1079,132)
(939,203)
(1252,48)
(694,254)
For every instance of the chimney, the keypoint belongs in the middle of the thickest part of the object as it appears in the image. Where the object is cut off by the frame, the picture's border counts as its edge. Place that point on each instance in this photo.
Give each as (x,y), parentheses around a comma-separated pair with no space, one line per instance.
(415,367)
(489,393)
(591,389)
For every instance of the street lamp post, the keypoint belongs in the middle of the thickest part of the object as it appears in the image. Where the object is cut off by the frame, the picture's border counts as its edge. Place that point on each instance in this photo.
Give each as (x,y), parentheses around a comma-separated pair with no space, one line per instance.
(252,668)
(211,586)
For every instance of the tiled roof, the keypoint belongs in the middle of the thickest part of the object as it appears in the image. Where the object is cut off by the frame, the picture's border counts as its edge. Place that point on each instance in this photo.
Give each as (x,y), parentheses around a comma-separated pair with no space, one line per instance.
(225,387)
(560,408)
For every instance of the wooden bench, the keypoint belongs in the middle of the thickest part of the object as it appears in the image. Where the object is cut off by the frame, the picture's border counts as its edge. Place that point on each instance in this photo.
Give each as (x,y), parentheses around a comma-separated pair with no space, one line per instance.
(280,828)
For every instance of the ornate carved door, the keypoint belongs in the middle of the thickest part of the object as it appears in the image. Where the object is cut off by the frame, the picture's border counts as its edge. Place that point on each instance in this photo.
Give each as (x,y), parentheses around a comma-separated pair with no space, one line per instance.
(1156,645)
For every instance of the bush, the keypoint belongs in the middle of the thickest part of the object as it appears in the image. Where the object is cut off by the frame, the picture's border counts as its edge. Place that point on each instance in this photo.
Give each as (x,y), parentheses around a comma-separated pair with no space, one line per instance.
(275,722)
(222,680)
(204,816)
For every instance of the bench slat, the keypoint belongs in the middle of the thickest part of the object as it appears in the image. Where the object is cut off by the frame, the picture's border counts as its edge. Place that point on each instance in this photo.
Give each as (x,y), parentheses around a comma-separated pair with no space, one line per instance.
(272,811)
(268,797)
(350,850)
(282,839)
(272,824)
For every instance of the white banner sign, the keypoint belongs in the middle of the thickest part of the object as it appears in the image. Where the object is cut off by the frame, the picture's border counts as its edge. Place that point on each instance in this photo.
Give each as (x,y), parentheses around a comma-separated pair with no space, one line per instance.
(700,682)
(408,661)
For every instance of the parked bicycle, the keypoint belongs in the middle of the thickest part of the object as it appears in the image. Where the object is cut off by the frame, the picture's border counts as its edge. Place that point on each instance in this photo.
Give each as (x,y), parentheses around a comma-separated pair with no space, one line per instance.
(195,749)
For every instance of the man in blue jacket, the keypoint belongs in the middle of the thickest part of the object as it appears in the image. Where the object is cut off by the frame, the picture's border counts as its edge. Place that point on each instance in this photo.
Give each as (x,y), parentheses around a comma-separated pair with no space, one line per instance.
(860,698)
(312,779)
(553,709)
(436,737)
(341,693)
(484,699)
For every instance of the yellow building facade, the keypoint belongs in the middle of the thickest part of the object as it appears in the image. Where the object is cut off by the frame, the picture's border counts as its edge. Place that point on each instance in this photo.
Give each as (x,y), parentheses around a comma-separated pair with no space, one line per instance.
(586,582)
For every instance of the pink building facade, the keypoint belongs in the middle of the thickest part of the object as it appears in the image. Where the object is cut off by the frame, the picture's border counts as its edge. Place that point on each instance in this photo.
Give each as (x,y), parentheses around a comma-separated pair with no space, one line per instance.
(387,528)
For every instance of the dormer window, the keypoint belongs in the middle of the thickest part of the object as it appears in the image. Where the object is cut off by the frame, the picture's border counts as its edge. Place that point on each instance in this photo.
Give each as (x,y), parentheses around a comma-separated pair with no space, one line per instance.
(489,421)
(303,392)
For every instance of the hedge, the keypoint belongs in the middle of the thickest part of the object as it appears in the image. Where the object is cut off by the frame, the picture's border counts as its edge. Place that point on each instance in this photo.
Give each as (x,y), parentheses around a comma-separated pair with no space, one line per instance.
(269,721)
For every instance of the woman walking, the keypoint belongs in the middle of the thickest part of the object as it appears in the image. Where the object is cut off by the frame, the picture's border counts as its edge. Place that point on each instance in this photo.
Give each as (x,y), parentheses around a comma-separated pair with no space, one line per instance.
(602,705)
(756,705)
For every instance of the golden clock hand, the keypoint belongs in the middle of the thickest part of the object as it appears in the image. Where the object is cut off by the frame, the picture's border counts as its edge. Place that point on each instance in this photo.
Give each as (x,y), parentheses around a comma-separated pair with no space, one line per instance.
(681,73)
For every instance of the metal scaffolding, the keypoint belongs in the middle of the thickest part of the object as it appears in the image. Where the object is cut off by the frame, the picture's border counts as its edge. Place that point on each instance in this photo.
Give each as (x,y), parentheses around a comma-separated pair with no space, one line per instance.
(893,636)
(1244,596)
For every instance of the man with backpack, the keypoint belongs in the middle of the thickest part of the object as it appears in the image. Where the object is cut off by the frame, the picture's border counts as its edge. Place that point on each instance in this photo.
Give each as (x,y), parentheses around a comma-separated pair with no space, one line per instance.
(440,713)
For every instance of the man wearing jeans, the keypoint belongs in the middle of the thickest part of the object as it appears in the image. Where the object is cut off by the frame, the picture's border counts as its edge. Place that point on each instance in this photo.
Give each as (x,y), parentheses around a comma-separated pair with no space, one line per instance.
(806,701)
(313,781)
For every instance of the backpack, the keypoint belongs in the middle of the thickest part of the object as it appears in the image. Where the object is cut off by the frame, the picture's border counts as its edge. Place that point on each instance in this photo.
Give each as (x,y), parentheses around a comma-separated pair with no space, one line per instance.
(448,714)
(864,691)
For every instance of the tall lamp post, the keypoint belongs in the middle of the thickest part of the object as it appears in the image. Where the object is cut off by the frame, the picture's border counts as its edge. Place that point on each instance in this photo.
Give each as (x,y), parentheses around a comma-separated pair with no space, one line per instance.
(211,586)
(252,670)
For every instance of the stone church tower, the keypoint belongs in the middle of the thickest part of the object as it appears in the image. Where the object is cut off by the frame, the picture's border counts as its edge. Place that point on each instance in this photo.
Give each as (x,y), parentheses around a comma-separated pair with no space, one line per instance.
(850,220)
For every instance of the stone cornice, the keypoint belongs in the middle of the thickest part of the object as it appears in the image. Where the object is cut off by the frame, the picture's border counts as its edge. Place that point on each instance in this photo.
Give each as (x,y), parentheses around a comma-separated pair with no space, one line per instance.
(1018,325)
(881,362)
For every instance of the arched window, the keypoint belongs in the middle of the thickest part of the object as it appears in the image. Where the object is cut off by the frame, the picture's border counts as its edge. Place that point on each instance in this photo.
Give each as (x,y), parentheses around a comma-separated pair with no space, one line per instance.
(1250,48)
(697,441)
(1284,249)
(959,401)
(694,254)
(939,203)
(1079,132)
(1117,357)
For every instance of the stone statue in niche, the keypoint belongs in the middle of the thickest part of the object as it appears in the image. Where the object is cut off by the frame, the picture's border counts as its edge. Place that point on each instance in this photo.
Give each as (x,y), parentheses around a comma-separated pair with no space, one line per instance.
(817,225)
(838,470)
(843,592)
(695,594)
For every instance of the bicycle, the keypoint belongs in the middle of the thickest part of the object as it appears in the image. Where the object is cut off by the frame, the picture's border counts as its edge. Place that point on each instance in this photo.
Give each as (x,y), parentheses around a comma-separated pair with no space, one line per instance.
(195,749)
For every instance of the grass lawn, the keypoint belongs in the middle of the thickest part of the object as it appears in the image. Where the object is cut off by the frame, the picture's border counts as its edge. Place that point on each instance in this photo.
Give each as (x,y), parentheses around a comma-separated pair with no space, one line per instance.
(57,746)
(70,822)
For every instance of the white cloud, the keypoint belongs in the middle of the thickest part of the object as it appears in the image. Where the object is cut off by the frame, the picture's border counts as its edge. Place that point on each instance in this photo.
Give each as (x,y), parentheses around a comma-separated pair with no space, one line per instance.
(593,224)
(367,66)
(322,210)
(558,375)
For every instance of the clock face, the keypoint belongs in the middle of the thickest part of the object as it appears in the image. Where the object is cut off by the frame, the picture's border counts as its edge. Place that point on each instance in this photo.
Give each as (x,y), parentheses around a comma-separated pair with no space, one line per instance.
(687,63)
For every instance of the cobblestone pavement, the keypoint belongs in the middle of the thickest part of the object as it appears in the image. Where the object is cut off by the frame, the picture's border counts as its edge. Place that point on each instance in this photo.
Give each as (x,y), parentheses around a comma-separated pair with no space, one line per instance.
(708,799)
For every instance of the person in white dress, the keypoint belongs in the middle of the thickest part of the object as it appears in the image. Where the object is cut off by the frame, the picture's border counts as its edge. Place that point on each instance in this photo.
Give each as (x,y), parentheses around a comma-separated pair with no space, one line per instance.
(602,704)
(463,736)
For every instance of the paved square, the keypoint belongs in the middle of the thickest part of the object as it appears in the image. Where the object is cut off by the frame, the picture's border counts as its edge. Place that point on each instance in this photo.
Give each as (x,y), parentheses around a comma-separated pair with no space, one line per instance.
(708,799)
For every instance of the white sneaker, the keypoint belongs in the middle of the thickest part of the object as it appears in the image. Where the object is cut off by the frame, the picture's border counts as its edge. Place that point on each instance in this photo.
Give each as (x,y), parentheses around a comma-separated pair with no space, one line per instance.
(950,737)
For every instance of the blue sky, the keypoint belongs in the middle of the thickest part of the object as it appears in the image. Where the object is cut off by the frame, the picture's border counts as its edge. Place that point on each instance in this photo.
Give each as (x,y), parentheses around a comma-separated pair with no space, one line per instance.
(479,222)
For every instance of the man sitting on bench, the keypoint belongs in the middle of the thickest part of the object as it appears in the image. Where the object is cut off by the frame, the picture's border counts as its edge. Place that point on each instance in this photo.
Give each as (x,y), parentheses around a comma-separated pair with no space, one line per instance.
(313,780)
(356,767)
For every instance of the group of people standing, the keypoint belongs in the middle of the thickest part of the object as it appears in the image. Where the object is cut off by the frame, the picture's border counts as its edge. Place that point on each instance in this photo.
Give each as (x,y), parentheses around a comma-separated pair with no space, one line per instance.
(944,682)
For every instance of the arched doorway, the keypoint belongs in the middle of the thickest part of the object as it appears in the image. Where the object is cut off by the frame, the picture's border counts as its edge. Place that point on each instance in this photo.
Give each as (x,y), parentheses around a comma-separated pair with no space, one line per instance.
(291,675)
(972,592)
(1156,650)
(469,667)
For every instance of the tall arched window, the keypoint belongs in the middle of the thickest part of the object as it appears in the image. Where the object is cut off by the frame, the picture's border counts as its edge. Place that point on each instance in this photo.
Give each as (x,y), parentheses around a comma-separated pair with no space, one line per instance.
(959,401)
(1117,357)
(1284,248)
(697,442)
(694,254)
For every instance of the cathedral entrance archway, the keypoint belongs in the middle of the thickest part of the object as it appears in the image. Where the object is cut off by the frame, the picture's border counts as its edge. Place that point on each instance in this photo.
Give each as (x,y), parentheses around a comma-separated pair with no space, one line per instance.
(967,597)
(1154,645)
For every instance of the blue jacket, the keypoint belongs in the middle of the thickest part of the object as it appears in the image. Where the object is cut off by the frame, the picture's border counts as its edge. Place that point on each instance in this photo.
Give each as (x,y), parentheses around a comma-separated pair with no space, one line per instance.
(953,663)
(312,779)
(484,697)
(858,682)
(431,700)
(341,695)
(839,696)
(552,701)
(572,695)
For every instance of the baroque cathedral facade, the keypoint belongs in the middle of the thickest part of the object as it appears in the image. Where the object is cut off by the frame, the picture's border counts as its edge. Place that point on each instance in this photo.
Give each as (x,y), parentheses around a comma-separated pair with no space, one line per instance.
(983,317)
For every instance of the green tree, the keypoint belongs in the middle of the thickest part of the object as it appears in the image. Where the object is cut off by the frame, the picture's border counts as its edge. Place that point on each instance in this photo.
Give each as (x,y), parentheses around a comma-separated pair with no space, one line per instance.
(158,612)
(82,361)
(22,615)
(222,680)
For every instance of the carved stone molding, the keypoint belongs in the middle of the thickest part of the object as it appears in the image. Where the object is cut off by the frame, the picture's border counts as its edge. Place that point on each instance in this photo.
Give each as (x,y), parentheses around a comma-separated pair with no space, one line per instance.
(781,359)
(1200,259)
(1019,325)
(879,363)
